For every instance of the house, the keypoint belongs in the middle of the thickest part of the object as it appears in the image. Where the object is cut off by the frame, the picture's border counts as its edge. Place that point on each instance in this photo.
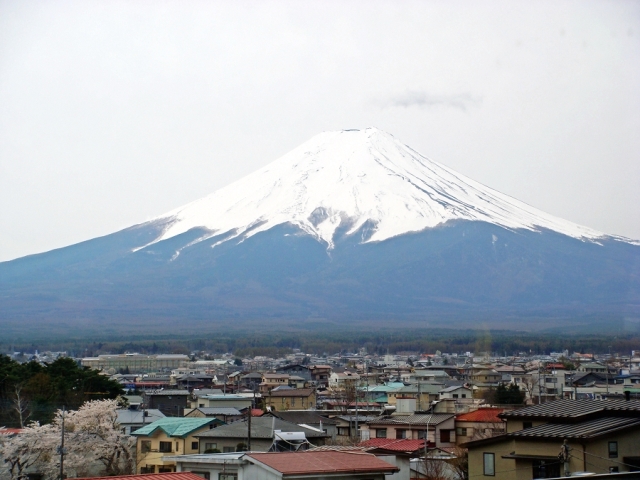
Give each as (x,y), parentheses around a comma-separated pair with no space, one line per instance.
(290,399)
(295,370)
(273,380)
(170,402)
(320,374)
(349,427)
(165,436)
(345,379)
(480,423)
(456,392)
(157,476)
(228,438)
(132,420)
(438,428)
(309,418)
(195,380)
(226,414)
(229,400)
(424,393)
(602,436)
(340,465)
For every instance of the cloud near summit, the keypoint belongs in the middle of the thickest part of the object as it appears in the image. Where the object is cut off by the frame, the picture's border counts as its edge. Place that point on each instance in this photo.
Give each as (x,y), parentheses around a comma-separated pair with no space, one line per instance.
(414,98)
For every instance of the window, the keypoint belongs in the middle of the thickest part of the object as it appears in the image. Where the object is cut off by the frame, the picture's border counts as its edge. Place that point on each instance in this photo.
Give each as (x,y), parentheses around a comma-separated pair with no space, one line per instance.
(613,449)
(204,475)
(445,436)
(488,464)
(194,446)
(148,469)
(145,446)
(381,433)
(464,395)
(210,447)
(401,434)
(228,449)
(461,431)
(227,476)
(527,425)
(293,401)
(455,395)
(177,447)
(165,447)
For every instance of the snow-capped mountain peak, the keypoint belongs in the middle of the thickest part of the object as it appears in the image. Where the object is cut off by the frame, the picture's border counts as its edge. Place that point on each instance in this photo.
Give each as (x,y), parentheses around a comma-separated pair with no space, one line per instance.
(352,179)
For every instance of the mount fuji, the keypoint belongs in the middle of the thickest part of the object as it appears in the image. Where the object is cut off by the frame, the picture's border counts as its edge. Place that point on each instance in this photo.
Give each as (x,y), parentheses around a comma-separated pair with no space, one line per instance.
(349,225)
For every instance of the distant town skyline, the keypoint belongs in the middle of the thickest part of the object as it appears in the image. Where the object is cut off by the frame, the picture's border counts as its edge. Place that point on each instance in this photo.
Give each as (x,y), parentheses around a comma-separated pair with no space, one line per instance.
(114,113)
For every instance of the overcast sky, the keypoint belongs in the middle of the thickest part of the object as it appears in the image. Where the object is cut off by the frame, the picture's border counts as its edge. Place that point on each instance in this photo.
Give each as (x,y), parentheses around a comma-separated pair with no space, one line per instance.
(113,112)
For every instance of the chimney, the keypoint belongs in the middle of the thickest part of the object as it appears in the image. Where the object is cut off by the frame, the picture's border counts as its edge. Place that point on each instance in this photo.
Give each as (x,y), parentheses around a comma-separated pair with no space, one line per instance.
(627,395)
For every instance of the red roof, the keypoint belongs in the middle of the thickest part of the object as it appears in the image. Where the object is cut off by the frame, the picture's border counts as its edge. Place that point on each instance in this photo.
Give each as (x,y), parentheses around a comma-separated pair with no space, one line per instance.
(482,415)
(314,462)
(150,476)
(10,431)
(397,445)
(256,412)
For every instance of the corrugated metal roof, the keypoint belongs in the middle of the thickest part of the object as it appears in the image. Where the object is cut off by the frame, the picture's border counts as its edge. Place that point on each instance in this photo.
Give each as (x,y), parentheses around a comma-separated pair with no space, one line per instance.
(588,429)
(323,462)
(573,408)
(176,426)
(415,419)
(483,415)
(150,476)
(261,427)
(398,445)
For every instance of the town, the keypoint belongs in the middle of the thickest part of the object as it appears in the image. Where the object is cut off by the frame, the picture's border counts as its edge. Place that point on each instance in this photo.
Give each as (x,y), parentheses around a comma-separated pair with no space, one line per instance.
(409,415)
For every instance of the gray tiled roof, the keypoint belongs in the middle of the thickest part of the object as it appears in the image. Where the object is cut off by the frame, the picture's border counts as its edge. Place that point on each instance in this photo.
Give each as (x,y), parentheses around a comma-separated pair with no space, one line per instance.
(573,408)
(167,392)
(261,427)
(219,411)
(307,417)
(588,429)
(415,419)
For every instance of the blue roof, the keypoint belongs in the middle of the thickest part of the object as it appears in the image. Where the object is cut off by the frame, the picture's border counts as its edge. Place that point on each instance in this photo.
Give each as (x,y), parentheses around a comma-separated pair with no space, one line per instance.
(176,426)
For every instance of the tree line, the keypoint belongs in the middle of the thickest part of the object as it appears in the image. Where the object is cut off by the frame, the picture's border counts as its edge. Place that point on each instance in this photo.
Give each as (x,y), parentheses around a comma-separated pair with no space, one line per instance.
(34,392)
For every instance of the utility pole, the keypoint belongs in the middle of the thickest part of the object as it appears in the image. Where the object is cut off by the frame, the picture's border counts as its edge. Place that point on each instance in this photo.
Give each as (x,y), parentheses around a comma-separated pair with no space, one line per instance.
(61,449)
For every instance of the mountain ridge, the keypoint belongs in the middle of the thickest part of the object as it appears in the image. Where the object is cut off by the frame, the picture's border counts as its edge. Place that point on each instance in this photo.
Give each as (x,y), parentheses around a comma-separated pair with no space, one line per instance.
(345,179)
(305,251)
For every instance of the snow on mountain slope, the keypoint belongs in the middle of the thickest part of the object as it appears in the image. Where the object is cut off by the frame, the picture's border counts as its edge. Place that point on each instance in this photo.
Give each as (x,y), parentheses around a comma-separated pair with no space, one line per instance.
(355,178)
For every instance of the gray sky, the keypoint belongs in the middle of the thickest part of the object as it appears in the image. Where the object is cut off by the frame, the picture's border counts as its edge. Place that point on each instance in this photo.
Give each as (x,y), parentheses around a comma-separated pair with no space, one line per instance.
(112,112)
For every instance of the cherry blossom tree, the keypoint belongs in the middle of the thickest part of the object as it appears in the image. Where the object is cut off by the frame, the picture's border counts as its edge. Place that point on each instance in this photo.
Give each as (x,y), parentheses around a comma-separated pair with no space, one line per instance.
(94,445)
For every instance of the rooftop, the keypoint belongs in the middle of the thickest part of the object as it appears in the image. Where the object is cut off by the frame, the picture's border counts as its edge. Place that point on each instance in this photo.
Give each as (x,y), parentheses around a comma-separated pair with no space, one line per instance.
(319,462)
(565,409)
(151,476)
(261,427)
(483,415)
(175,426)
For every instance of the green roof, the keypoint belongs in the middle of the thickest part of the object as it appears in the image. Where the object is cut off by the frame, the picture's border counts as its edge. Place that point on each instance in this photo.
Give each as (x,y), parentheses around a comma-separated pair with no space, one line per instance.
(176,426)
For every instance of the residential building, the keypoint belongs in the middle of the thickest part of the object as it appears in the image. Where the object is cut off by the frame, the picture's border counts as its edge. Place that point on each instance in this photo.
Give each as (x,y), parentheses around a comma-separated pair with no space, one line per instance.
(438,428)
(309,418)
(226,414)
(165,436)
(131,420)
(480,423)
(320,374)
(171,403)
(290,399)
(228,438)
(602,436)
(344,465)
